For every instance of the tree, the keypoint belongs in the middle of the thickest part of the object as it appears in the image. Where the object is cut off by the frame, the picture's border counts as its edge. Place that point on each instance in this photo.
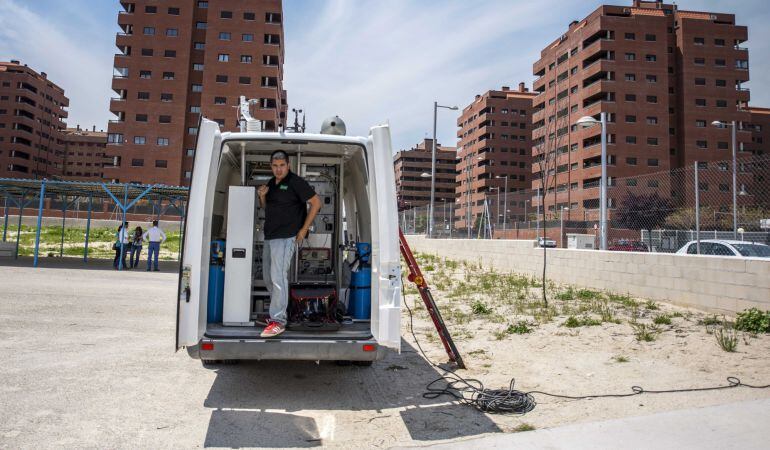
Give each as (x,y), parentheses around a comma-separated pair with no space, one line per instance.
(643,211)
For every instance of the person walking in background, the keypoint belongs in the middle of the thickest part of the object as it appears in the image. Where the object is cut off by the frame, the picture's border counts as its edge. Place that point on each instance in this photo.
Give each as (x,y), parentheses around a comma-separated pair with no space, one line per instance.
(155,236)
(121,246)
(136,246)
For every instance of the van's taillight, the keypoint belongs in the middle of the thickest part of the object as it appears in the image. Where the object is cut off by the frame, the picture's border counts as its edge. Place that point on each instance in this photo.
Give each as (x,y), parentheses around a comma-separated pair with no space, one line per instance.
(207,346)
(369,347)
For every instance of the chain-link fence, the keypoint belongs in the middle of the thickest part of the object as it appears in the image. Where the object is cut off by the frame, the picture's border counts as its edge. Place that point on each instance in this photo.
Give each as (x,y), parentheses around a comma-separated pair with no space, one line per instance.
(661,211)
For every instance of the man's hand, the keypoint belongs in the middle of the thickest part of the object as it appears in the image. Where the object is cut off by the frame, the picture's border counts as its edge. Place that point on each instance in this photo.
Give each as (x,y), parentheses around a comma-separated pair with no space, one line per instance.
(262,191)
(301,235)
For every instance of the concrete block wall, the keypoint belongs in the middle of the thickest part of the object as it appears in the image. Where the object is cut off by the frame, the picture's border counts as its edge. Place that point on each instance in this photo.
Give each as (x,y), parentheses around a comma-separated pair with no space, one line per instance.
(713,284)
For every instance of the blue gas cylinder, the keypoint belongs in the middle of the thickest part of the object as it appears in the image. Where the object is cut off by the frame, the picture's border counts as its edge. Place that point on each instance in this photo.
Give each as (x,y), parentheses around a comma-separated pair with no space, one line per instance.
(216,291)
(360,306)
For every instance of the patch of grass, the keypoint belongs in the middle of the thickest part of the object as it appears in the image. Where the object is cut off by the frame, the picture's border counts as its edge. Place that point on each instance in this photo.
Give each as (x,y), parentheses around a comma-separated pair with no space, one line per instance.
(726,338)
(585,321)
(753,321)
(662,319)
(478,352)
(624,300)
(523,427)
(676,314)
(645,332)
(709,320)
(429,268)
(587,294)
(481,309)
(569,294)
(520,327)
(651,305)
(621,359)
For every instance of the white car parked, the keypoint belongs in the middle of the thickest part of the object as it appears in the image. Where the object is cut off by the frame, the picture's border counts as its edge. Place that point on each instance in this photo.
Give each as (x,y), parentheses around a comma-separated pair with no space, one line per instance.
(721,247)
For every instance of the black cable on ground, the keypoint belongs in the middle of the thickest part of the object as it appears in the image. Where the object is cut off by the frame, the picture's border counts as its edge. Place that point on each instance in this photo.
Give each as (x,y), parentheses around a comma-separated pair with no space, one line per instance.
(471,392)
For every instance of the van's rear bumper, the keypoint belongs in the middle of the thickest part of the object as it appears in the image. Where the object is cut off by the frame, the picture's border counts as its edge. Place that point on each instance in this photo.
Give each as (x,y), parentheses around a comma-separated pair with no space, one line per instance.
(287,349)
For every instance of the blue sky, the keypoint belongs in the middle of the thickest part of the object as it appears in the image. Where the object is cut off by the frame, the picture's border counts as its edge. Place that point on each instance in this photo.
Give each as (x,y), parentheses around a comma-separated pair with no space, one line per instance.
(365,60)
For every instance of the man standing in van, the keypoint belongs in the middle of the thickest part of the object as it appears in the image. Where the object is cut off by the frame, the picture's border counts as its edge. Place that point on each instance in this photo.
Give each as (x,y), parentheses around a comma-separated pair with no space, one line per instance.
(287,221)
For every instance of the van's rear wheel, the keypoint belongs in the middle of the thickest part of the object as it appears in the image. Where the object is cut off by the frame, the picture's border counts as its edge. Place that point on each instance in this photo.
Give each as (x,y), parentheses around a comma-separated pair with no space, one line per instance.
(363,363)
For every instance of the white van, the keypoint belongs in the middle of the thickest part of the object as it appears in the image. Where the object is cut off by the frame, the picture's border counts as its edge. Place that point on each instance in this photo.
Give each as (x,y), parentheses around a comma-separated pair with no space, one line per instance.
(221,319)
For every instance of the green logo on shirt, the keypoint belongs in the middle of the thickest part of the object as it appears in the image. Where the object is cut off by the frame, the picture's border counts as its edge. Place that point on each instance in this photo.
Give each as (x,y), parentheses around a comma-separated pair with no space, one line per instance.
(284,187)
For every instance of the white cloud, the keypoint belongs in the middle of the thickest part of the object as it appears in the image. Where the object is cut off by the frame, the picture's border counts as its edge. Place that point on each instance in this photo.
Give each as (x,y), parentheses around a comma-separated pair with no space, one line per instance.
(77,62)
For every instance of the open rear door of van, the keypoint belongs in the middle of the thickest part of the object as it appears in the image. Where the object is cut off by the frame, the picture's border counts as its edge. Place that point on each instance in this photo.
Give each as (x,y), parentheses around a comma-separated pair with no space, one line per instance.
(386,261)
(194,271)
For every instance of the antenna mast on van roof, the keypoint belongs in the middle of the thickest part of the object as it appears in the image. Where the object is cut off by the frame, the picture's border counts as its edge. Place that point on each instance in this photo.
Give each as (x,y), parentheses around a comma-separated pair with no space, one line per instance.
(245,120)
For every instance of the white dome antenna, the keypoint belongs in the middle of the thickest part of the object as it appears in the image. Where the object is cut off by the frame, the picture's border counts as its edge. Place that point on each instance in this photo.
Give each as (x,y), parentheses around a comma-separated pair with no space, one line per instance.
(333,125)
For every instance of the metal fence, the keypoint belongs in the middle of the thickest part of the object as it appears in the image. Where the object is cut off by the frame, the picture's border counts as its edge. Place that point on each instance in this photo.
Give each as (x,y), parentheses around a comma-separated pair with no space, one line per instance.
(659,211)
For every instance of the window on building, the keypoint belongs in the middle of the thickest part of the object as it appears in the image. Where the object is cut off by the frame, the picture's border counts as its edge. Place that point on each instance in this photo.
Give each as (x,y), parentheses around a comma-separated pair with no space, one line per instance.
(173,11)
(720,63)
(699,41)
(720,83)
(146,52)
(164,119)
(630,36)
(630,97)
(700,123)
(221,78)
(162,141)
(169,53)
(137,162)
(190,152)
(200,25)
(630,56)
(272,17)
(188,174)
(141,117)
(700,81)
(161,163)
(630,119)
(246,58)
(652,141)
(269,81)
(270,60)
(249,16)
(224,36)
(203,4)
(652,162)
(699,61)
(199,46)
(192,130)
(172,32)
(721,103)
(149,31)
(195,109)
(650,58)
(702,144)
(197,88)
(722,145)
(114,138)
(630,139)
(652,78)
(652,120)
(225,14)
(244,80)
(272,39)
(198,66)
(223,57)
(652,183)
(143,95)
(150,9)
(650,37)
(247,37)
(631,161)
(168,75)
(652,99)
(700,102)
(630,181)
(140,140)
(220,100)
(630,77)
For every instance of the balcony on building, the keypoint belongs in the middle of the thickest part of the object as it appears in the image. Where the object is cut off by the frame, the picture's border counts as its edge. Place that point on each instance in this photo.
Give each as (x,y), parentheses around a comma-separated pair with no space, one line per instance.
(128,7)
(120,72)
(601,35)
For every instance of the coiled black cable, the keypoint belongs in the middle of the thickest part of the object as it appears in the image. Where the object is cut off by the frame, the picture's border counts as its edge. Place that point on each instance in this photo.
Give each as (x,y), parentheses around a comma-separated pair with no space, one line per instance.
(471,391)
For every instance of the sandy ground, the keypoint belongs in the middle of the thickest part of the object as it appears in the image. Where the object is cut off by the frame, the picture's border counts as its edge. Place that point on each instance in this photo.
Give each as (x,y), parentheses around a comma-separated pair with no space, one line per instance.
(88,361)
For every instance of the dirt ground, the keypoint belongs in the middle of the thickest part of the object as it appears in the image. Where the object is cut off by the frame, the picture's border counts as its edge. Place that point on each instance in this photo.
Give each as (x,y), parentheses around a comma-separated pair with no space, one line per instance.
(88,361)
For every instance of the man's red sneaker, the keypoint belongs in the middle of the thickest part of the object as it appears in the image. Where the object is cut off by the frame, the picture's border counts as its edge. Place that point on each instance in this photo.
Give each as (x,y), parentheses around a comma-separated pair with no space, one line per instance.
(273,329)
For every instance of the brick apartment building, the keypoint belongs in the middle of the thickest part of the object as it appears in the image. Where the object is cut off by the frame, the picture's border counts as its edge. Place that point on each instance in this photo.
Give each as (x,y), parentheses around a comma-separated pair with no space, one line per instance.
(756,190)
(494,143)
(662,75)
(413,189)
(179,61)
(84,153)
(32,114)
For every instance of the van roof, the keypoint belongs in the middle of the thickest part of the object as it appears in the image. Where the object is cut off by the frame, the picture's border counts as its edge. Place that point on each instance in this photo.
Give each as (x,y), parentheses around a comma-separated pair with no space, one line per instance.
(283,136)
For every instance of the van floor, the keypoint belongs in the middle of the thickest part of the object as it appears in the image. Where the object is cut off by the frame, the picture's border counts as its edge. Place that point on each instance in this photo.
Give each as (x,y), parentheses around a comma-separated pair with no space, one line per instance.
(352,331)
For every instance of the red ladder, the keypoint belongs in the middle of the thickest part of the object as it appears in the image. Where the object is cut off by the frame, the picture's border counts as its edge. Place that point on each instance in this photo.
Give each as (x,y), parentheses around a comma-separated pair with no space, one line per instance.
(415,276)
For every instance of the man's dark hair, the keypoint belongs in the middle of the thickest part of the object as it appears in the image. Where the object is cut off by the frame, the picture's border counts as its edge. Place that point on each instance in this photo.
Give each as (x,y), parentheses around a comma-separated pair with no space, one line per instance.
(155,223)
(279,154)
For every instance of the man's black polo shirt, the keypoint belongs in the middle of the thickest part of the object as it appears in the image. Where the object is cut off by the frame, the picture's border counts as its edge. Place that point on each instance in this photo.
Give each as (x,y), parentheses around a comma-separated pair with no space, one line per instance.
(286,206)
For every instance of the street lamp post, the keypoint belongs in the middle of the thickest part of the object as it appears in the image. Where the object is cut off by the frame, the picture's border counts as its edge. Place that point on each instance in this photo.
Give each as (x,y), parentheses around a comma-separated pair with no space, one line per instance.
(505,200)
(436,106)
(561,232)
(497,205)
(468,169)
(732,125)
(586,122)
